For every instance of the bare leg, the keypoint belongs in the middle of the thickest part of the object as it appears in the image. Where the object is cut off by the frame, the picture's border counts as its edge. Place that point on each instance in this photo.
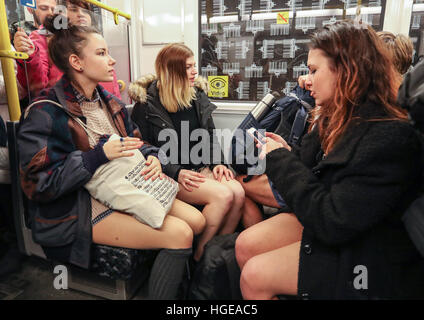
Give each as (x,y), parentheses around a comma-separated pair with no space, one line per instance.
(271,273)
(123,230)
(189,214)
(259,190)
(217,199)
(233,217)
(275,232)
(251,213)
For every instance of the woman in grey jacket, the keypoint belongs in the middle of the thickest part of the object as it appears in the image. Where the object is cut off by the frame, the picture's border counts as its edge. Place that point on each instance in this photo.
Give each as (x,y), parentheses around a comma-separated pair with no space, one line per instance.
(348,184)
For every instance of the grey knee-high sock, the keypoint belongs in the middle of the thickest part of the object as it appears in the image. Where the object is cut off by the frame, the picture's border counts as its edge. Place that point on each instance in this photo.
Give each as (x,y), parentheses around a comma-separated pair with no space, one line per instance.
(167,273)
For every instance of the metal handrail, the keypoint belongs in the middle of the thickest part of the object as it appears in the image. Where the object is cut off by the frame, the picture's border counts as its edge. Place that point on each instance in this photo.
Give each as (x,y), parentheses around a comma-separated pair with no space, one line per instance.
(6,56)
(115,11)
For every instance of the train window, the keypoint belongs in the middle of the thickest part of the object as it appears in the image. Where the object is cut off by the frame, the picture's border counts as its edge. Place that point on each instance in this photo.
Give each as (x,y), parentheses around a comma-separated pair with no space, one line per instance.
(249,48)
(416,28)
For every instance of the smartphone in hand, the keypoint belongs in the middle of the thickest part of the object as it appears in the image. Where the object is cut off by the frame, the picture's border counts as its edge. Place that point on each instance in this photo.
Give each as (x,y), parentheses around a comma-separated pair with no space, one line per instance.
(256,135)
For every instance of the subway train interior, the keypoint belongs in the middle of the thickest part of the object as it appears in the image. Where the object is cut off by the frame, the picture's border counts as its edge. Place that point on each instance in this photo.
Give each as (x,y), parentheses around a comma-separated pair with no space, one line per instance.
(235,62)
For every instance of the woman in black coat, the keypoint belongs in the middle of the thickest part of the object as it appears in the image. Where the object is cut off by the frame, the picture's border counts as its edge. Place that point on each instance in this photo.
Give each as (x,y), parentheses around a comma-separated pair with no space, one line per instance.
(174,113)
(348,184)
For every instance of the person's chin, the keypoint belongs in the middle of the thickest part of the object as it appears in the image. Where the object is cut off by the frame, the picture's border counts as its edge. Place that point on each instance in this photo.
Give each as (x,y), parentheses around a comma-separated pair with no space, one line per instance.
(107,79)
(83,23)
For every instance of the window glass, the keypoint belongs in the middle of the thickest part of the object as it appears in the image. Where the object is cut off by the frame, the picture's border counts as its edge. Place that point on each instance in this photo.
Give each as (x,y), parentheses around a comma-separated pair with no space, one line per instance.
(416,28)
(258,46)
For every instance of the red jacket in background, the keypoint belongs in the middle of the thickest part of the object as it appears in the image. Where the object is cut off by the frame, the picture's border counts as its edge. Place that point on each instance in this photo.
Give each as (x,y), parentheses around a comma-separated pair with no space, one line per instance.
(42,73)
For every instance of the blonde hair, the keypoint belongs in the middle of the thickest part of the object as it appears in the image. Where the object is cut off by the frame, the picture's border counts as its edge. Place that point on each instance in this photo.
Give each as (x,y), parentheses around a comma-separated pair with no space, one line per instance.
(175,92)
(401,49)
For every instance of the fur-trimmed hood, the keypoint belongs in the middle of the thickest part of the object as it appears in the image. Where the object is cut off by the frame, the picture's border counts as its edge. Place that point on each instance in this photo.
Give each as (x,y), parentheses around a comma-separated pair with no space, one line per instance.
(138,89)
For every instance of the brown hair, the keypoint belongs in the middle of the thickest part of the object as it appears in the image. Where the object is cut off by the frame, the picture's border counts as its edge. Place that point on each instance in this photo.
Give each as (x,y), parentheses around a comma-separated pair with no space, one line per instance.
(401,49)
(80,3)
(364,72)
(174,88)
(66,41)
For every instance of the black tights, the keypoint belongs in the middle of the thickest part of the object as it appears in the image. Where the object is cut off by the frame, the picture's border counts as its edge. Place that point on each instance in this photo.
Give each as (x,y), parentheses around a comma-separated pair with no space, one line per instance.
(167,273)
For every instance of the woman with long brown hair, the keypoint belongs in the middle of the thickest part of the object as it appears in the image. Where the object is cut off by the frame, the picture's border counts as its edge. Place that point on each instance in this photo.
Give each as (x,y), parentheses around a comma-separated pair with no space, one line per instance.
(174,103)
(348,185)
(58,157)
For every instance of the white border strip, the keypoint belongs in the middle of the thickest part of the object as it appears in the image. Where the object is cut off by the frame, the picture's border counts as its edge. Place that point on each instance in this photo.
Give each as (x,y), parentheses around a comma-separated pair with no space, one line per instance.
(418,7)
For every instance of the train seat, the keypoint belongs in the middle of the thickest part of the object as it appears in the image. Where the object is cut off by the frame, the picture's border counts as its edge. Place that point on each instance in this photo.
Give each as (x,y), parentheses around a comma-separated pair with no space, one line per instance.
(116,273)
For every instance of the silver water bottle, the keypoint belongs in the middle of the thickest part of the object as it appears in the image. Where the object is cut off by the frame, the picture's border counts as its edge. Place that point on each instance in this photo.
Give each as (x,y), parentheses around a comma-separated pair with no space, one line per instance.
(263,106)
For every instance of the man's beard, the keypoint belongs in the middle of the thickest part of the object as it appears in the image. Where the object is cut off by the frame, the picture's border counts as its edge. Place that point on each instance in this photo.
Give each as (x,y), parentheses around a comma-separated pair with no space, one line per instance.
(37,21)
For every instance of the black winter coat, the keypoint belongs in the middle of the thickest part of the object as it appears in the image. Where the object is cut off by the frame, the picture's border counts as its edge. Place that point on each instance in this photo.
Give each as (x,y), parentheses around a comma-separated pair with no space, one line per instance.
(350,204)
(151,117)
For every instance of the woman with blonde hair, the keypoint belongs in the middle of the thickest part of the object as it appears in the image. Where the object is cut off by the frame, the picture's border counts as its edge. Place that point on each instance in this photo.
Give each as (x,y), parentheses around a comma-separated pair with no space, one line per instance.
(400,48)
(174,103)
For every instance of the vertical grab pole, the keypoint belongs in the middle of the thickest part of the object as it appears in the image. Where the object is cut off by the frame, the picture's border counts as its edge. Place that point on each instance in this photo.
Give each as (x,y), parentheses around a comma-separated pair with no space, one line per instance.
(8,67)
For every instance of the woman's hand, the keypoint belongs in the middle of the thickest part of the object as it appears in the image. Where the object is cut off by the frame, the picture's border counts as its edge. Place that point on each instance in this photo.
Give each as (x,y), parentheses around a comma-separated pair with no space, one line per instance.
(304,83)
(272,141)
(23,42)
(221,170)
(188,179)
(118,148)
(153,169)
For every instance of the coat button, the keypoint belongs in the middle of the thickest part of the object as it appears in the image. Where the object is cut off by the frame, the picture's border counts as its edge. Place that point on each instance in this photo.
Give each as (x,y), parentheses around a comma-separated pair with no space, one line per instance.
(307,248)
(305,296)
(163,125)
(317,172)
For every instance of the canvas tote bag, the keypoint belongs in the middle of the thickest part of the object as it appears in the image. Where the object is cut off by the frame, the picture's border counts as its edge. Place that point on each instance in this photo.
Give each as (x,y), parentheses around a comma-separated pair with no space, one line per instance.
(119,185)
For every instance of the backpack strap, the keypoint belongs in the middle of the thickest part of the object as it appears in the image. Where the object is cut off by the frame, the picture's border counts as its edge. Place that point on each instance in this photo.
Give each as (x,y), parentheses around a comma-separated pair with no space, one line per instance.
(298,126)
(86,128)
(304,103)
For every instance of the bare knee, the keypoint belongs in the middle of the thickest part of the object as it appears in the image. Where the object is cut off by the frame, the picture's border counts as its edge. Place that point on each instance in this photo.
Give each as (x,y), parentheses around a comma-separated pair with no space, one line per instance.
(250,281)
(238,194)
(223,199)
(180,236)
(199,223)
(242,249)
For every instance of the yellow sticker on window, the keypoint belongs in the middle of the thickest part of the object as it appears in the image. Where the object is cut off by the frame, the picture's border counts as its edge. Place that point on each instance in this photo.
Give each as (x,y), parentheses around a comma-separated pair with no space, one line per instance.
(283,17)
(218,86)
